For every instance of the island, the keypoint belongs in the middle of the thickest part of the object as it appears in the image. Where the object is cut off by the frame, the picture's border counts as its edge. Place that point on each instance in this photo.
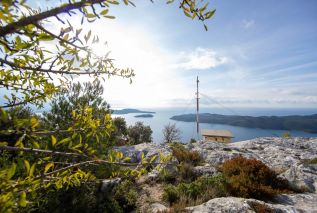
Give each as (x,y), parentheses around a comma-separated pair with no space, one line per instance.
(144,116)
(306,123)
(128,111)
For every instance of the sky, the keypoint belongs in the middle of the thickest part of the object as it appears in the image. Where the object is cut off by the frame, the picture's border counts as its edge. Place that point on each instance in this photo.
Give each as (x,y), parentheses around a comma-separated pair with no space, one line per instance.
(255,54)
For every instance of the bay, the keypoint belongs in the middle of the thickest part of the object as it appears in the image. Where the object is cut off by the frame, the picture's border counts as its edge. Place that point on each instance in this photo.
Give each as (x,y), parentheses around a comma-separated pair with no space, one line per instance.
(188,129)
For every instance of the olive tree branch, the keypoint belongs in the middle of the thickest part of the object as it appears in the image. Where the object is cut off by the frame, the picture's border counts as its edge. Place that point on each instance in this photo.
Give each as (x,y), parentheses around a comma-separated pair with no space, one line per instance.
(66,8)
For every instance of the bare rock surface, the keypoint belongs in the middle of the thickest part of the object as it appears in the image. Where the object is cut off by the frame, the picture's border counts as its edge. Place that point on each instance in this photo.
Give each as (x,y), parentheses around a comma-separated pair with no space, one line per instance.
(284,204)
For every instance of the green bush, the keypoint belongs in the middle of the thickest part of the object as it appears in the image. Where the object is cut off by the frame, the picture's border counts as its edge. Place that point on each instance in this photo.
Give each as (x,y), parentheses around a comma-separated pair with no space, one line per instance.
(186,172)
(184,155)
(202,190)
(126,195)
(171,193)
(250,178)
(166,176)
(90,199)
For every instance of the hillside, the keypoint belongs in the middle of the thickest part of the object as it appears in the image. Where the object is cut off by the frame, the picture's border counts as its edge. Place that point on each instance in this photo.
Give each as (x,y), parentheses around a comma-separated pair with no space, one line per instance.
(306,123)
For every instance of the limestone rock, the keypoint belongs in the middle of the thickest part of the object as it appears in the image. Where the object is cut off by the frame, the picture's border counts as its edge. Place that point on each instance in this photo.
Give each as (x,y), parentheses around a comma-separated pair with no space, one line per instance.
(302,177)
(109,184)
(148,149)
(206,169)
(157,207)
(305,203)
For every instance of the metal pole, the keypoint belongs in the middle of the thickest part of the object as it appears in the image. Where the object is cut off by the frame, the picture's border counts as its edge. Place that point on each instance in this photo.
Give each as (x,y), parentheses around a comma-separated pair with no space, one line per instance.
(197,109)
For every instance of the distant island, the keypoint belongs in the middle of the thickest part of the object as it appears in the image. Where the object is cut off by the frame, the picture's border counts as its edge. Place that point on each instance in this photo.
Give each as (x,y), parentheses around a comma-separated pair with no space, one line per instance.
(144,116)
(128,110)
(306,123)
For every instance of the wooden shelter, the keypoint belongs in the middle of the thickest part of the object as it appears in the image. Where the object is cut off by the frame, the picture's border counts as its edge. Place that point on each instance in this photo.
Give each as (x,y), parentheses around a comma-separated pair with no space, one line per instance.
(215,135)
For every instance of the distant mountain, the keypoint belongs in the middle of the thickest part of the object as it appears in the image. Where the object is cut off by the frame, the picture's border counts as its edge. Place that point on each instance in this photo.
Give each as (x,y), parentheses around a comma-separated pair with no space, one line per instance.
(307,123)
(128,110)
(144,116)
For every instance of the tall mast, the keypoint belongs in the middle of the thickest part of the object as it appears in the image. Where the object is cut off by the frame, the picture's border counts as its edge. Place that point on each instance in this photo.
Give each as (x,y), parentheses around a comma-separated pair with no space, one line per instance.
(197,109)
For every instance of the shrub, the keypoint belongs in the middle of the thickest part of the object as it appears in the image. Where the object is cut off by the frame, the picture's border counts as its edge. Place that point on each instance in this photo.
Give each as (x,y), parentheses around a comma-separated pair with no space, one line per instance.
(310,161)
(126,195)
(186,172)
(192,140)
(286,135)
(184,155)
(170,193)
(167,176)
(260,208)
(250,178)
(196,192)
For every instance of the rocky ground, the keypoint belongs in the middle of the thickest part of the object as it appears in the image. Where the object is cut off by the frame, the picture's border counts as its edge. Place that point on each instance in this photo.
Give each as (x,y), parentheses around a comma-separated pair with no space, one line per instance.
(288,157)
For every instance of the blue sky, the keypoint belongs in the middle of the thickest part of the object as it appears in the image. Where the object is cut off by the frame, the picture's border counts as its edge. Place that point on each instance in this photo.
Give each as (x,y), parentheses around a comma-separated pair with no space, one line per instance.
(255,54)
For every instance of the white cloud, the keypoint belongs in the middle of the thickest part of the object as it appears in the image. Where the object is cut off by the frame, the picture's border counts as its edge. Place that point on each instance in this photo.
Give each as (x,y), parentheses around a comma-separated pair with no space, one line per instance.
(200,59)
(248,24)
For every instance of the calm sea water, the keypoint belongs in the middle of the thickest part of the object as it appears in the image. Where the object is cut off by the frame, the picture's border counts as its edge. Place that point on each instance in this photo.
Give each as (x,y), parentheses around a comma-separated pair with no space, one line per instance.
(188,129)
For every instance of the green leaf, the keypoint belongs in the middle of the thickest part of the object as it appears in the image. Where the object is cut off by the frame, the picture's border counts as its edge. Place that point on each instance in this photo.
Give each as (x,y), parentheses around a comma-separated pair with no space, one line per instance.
(27,166)
(53,140)
(187,14)
(65,140)
(104,12)
(48,166)
(209,14)
(22,199)
(111,17)
(32,170)
(153,158)
(127,159)
(34,123)
(11,171)
(90,15)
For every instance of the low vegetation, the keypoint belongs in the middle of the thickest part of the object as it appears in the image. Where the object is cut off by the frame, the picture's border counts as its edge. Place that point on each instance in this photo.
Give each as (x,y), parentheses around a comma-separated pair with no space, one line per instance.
(310,161)
(239,177)
(184,155)
(250,178)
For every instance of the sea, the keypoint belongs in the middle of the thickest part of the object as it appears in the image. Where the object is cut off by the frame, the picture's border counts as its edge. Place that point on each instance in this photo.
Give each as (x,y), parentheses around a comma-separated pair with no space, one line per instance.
(188,129)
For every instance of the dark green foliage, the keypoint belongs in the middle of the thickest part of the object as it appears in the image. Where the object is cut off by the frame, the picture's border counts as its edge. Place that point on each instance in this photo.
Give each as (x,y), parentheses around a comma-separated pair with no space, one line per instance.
(75,97)
(166,176)
(126,195)
(184,155)
(171,194)
(15,119)
(120,134)
(139,133)
(88,198)
(202,189)
(250,178)
(192,140)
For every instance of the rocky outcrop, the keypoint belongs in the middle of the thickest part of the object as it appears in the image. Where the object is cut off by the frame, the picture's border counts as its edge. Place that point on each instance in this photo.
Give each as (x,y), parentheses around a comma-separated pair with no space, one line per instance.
(285,156)
(148,149)
(284,204)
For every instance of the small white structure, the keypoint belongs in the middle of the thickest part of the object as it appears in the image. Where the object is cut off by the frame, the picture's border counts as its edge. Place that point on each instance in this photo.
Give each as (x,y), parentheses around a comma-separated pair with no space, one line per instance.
(216,135)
